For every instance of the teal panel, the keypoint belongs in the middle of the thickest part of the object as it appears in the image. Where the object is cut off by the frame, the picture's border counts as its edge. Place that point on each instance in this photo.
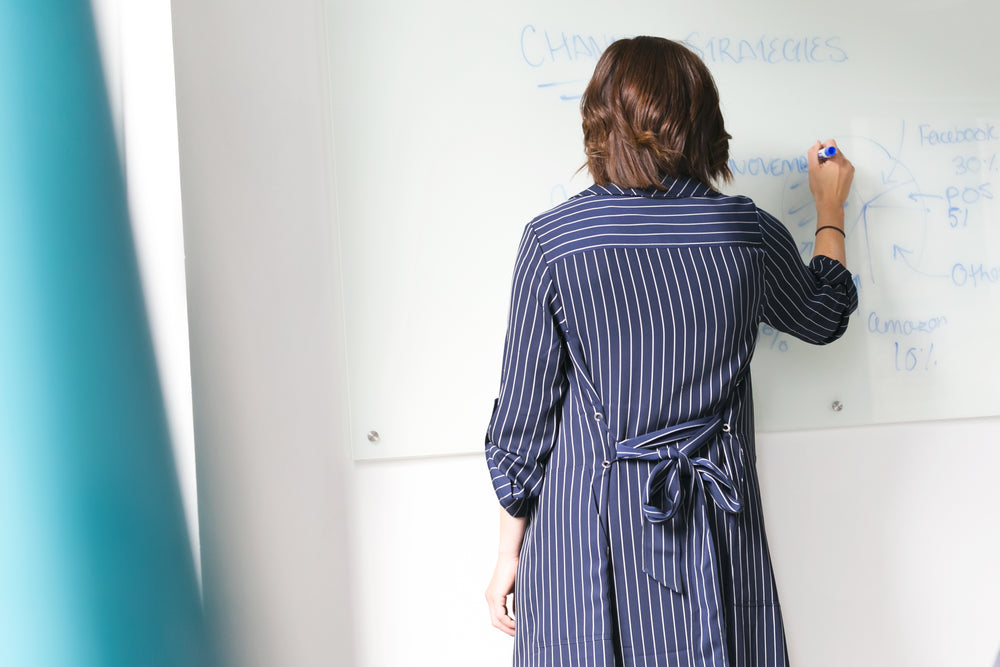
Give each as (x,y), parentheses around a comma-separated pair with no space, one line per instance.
(95,564)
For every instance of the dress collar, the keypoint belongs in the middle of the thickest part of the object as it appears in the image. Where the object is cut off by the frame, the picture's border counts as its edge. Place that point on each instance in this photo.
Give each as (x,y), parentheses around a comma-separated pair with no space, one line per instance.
(675,188)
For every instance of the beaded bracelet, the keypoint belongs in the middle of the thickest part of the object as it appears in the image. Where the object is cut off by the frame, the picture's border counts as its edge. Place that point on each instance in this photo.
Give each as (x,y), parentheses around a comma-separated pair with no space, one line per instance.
(831,227)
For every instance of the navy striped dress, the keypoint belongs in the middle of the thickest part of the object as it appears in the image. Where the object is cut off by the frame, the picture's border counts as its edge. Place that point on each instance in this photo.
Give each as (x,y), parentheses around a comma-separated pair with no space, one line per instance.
(624,426)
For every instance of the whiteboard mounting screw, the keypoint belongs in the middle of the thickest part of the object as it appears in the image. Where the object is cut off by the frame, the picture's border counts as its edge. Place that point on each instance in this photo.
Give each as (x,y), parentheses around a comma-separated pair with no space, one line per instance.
(373,437)
(837,406)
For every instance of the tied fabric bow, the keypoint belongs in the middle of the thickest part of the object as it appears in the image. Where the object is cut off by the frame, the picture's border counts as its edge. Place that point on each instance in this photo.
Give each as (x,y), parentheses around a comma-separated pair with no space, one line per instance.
(679,475)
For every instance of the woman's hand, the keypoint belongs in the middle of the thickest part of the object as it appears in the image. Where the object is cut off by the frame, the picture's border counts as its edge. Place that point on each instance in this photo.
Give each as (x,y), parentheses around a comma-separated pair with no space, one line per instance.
(502,585)
(830,182)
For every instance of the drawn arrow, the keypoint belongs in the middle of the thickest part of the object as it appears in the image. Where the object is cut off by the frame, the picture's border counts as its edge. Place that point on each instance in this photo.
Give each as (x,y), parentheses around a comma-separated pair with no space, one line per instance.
(899,252)
(916,196)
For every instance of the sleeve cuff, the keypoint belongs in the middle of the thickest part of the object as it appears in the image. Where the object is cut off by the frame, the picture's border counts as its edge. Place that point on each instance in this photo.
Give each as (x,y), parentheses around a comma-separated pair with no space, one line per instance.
(831,272)
(512,496)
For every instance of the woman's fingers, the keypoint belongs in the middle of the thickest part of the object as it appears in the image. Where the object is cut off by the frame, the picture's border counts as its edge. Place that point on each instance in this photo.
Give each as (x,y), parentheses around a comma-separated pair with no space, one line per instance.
(498,613)
(502,585)
(829,180)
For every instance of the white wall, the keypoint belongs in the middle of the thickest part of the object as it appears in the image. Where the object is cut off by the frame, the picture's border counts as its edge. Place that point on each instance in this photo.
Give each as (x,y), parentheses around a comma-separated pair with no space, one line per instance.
(264,330)
(885,541)
(884,538)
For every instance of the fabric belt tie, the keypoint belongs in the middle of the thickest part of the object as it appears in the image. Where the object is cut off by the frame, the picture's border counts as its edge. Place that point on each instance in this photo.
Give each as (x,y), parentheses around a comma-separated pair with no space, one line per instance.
(679,476)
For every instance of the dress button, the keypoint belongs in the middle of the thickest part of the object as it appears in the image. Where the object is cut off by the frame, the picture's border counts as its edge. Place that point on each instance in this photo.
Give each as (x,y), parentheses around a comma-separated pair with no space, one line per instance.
(606,464)
(725,427)
(598,416)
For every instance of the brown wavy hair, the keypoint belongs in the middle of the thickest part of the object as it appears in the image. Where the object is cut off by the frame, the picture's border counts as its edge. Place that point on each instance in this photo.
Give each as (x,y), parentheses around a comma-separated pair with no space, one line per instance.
(652,110)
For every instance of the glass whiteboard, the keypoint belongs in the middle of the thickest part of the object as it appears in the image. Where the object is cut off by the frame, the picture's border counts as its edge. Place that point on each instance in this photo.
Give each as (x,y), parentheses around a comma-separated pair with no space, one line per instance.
(454,124)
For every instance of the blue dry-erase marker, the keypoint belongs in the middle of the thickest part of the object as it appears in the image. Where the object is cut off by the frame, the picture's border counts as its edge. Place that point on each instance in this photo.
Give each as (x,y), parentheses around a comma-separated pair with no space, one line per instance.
(827,152)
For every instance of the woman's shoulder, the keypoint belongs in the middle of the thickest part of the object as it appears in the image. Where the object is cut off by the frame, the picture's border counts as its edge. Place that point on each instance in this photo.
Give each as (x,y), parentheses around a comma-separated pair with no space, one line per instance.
(582,205)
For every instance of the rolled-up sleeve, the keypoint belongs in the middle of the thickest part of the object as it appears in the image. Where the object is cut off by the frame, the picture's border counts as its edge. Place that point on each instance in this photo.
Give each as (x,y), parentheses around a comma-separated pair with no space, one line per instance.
(525,421)
(811,302)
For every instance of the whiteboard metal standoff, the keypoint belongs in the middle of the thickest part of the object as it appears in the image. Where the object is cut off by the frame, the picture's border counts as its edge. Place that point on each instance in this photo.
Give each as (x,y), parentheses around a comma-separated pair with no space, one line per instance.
(837,406)
(373,437)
